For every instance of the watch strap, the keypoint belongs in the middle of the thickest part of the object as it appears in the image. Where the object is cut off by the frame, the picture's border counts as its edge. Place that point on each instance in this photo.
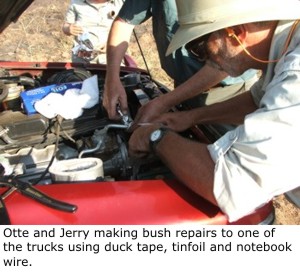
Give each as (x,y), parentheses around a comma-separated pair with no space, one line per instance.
(153,144)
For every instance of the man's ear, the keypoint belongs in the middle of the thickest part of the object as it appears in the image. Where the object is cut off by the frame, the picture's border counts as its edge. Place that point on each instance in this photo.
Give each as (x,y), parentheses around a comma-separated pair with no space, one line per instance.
(241,31)
(237,32)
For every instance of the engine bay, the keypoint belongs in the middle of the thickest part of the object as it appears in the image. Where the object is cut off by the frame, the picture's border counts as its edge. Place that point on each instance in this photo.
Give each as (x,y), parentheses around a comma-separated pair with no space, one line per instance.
(86,160)
(31,144)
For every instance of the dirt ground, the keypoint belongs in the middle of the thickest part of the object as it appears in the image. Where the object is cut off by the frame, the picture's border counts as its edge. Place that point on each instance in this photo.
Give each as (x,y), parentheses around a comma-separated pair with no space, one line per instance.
(37,36)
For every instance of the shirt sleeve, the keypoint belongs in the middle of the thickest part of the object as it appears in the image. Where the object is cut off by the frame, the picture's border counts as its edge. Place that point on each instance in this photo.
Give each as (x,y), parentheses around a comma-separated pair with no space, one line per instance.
(259,159)
(135,12)
(257,91)
(71,15)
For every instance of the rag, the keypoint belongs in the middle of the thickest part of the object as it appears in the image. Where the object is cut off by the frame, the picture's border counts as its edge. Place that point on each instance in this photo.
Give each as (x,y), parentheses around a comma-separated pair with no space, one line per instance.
(71,104)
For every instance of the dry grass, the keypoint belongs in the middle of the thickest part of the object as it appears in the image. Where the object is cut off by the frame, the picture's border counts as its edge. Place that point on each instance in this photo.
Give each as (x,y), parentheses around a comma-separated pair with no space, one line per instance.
(37,36)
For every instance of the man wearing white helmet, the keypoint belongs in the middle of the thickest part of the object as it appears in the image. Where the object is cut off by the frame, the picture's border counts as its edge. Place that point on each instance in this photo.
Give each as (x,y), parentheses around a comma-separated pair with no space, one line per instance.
(251,164)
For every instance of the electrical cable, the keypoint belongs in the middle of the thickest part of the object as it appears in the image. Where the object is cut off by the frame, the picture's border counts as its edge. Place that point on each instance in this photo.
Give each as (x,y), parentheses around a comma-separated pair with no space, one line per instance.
(231,33)
(59,120)
(142,53)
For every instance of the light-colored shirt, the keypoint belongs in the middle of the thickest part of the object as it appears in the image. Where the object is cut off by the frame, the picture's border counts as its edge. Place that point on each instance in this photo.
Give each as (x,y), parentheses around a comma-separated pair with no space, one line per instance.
(259,159)
(94,18)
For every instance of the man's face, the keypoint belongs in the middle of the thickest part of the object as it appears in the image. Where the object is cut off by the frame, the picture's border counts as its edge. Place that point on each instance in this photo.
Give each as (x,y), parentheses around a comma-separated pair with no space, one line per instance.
(223,55)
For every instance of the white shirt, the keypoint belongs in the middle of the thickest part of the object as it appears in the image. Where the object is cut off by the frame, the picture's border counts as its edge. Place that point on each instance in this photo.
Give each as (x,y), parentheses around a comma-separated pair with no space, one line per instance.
(94,18)
(260,159)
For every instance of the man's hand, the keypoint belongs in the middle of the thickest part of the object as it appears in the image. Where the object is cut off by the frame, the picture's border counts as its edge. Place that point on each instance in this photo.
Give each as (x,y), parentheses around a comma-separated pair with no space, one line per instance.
(150,111)
(139,140)
(117,44)
(72,29)
(114,95)
(156,112)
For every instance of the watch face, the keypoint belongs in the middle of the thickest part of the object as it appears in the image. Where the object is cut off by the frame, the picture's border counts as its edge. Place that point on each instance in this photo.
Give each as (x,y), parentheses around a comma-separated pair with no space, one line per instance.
(155,135)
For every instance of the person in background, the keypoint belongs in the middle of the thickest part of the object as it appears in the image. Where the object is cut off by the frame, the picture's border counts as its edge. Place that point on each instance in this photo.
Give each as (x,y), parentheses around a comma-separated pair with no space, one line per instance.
(257,160)
(180,65)
(89,21)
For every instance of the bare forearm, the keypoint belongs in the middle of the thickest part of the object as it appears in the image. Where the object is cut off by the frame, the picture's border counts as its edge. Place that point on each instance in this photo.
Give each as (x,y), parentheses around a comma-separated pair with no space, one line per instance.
(203,80)
(232,111)
(117,46)
(194,167)
(189,161)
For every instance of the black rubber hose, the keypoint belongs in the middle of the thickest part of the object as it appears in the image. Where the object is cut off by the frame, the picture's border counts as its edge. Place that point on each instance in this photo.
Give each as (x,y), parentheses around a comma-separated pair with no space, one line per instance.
(28,81)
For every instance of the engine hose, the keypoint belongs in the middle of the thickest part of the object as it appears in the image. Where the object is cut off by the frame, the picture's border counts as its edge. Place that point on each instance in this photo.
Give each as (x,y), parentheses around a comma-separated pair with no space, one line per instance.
(59,120)
(70,75)
(4,136)
(23,80)
(103,134)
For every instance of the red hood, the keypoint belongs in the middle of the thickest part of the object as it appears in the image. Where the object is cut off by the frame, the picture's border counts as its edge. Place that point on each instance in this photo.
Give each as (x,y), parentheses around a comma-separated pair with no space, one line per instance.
(10,11)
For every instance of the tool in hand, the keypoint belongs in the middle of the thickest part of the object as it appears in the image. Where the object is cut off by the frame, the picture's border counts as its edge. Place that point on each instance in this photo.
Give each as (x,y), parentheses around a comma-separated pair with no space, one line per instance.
(126,119)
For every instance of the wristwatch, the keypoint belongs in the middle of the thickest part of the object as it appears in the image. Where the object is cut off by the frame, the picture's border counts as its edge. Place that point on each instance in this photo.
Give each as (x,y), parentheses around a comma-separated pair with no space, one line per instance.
(156,136)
